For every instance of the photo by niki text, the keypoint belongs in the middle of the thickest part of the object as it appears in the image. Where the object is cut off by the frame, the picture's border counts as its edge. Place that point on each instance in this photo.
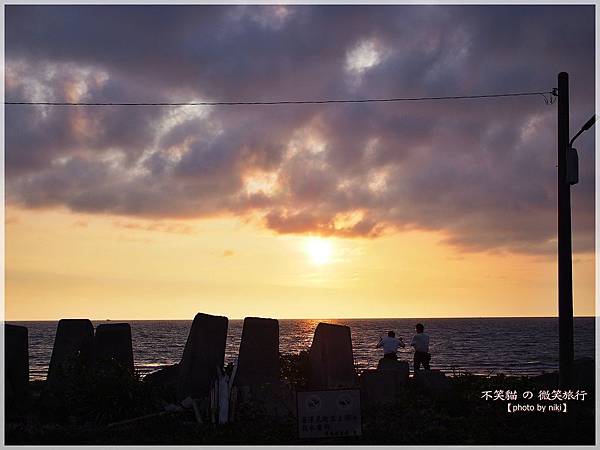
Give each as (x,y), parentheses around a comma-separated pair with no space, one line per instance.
(549,400)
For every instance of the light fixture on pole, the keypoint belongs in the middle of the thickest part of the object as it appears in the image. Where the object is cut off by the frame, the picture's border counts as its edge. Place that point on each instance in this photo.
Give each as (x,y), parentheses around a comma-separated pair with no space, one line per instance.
(572,157)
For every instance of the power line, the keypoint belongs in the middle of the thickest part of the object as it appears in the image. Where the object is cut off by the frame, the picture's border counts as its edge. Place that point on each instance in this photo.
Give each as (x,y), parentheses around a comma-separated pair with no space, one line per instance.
(548,100)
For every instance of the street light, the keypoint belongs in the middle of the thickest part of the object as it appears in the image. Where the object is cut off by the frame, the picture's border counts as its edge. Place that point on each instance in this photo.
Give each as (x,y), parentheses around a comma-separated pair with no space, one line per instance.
(572,157)
(585,127)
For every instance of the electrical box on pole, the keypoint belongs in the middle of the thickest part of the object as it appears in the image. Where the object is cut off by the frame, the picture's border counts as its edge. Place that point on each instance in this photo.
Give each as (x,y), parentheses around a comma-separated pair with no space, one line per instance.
(572,166)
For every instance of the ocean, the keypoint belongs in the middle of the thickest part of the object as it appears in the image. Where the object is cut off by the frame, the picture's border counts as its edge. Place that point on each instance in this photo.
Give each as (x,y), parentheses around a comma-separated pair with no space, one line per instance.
(513,346)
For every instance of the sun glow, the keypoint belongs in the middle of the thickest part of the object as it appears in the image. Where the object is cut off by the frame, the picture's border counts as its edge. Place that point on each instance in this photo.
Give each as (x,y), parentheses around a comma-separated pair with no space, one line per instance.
(319,250)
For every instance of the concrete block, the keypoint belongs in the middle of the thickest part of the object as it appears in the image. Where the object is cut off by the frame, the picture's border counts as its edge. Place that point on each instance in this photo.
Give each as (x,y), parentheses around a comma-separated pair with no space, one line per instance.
(112,345)
(258,360)
(382,386)
(392,364)
(16,360)
(165,376)
(72,348)
(204,352)
(432,381)
(331,359)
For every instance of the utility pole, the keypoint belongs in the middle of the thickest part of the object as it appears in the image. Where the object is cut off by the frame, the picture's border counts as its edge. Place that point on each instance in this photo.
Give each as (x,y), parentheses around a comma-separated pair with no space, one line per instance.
(565,265)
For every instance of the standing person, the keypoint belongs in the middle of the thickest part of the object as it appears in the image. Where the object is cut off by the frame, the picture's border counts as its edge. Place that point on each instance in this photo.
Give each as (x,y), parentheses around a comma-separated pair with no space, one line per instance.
(390,345)
(420,342)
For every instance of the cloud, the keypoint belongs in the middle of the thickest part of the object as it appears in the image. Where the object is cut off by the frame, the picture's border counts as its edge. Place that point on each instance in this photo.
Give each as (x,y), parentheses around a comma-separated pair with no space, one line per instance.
(11,220)
(80,223)
(163,227)
(481,172)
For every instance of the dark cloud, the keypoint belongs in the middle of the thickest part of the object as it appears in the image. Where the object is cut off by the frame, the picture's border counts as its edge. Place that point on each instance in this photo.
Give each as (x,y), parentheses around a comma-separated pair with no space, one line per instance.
(482,172)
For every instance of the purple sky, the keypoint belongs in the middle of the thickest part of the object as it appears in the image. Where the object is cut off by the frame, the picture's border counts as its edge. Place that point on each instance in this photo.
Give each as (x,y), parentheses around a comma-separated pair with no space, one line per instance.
(483,171)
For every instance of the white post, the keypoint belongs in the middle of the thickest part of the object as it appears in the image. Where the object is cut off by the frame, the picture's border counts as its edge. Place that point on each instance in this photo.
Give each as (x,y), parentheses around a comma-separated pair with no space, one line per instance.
(224,383)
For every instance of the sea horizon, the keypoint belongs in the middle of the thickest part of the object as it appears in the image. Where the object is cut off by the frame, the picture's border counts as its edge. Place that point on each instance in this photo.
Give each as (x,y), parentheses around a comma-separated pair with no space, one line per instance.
(510,345)
(304,318)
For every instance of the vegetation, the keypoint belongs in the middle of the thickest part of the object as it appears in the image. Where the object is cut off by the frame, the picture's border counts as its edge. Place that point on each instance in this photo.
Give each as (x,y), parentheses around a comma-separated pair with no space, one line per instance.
(461,417)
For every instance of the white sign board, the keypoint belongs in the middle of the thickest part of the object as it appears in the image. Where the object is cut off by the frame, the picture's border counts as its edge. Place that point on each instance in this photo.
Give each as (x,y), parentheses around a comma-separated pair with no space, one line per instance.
(329,413)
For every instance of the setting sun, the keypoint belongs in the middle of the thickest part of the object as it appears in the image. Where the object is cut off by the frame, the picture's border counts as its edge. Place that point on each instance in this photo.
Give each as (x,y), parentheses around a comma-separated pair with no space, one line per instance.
(319,250)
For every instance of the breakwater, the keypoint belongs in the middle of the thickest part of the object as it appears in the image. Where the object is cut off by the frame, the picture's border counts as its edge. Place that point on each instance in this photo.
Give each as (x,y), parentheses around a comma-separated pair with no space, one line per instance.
(515,346)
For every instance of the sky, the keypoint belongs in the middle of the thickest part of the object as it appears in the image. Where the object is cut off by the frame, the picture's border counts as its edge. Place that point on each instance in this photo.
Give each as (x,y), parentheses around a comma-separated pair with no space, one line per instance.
(415,209)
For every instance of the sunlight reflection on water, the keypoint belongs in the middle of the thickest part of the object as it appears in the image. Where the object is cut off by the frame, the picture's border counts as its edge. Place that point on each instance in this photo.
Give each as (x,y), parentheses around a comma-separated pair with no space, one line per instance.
(508,345)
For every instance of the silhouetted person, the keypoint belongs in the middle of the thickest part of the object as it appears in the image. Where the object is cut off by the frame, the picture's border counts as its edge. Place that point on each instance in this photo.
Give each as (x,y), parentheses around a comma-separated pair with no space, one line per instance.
(390,345)
(420,342)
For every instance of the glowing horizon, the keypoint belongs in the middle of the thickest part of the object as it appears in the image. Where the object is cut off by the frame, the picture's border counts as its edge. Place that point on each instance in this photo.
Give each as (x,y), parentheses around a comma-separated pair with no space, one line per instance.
(61,265)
